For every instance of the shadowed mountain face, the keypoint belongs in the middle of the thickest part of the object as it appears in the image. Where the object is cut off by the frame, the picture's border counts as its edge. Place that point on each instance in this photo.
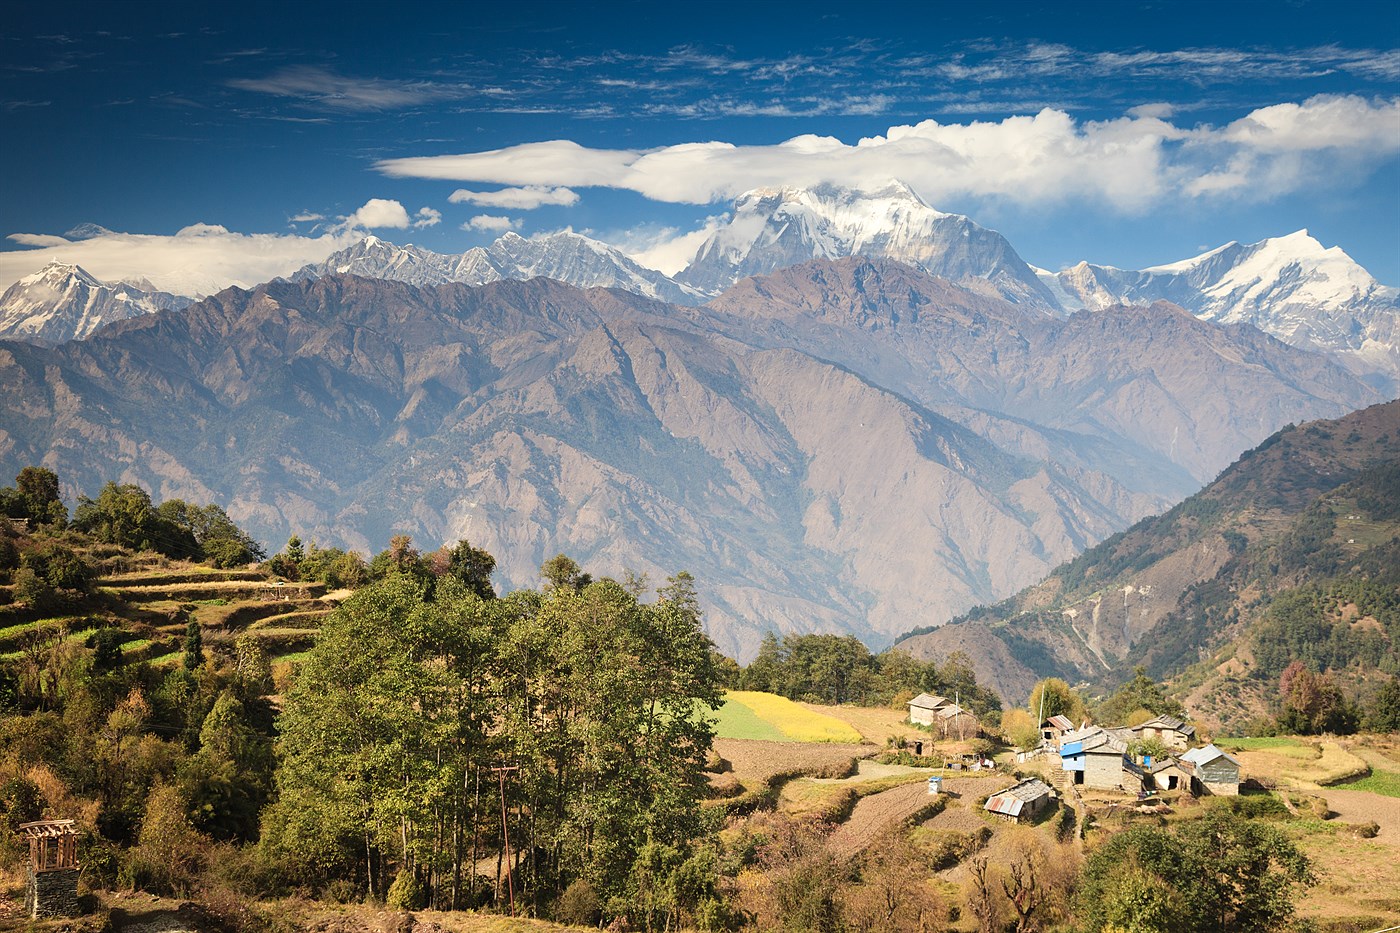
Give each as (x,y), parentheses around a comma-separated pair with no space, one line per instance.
(1182,586)
(846,446)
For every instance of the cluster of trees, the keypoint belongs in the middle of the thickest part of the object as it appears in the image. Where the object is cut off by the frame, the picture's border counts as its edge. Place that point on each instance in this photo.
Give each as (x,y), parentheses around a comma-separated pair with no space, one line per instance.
(835,669)
(562,733)
(123,514)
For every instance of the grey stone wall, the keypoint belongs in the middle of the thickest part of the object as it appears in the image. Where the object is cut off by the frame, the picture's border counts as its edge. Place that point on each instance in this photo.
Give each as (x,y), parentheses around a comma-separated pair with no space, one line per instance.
(52,893)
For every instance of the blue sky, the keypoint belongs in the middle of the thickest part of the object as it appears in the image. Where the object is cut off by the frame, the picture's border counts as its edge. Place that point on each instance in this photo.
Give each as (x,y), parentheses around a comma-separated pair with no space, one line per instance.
(225,144)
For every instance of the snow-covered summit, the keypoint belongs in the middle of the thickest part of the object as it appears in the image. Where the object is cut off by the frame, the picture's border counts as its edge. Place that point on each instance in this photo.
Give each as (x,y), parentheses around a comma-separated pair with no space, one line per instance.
(564,255)
(772,228)
(1291,286)
(64,302)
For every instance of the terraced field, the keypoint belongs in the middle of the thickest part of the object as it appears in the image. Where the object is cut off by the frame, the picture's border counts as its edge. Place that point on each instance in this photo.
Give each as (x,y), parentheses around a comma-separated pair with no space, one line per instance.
(748,714)
(152,604)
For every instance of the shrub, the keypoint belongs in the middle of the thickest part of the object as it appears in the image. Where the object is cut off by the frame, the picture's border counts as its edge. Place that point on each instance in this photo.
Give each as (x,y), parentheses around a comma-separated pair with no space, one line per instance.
(579,905)
(406,893)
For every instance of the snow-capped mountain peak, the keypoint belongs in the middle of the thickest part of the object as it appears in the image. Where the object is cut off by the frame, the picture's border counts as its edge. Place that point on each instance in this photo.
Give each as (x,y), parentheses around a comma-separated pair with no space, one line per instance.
(772,228)
(1290,286)
(62,302)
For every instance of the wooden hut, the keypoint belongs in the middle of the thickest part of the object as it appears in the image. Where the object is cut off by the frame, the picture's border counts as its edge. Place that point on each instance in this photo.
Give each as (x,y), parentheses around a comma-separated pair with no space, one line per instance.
(51,888)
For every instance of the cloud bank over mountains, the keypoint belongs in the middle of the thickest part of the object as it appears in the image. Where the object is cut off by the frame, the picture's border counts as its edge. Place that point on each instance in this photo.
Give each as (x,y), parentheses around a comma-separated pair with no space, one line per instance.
(1129,164)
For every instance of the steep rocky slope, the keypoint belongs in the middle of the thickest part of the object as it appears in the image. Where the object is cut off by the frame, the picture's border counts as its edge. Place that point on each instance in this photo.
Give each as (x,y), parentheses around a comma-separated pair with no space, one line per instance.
(1179,588)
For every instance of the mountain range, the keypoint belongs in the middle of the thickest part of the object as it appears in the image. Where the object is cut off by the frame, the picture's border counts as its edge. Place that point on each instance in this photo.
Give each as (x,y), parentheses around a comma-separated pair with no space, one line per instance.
(845,445)
(1290,286)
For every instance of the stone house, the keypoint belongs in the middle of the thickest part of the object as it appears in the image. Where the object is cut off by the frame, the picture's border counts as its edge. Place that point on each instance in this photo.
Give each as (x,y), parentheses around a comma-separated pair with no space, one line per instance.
(1170,774)
(1098,758)
(1170,731)
(923,709)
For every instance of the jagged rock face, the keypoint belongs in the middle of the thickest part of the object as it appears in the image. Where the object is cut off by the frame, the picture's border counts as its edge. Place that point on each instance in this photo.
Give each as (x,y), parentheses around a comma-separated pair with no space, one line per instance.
(63,302)
(565,257)
(773,228)
(1291,287)
(806,490)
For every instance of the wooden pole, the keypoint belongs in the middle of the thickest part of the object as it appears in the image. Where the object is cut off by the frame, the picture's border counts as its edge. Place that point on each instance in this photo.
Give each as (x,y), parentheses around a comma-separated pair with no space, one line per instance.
(505,831)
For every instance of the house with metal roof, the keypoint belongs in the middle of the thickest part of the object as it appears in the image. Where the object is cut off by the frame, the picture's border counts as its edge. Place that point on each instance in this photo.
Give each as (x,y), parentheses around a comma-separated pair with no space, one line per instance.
(1214,771)
(1020,801)
(1055,726)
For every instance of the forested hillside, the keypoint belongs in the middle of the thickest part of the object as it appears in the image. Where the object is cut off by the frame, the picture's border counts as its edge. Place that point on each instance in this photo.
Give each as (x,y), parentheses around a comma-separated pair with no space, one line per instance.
(1290,555)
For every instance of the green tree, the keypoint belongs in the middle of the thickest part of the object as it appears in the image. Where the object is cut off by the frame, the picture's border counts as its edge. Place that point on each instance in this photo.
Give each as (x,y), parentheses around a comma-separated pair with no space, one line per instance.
(1053,697)
(471,565)
(1383,712)
(38,492)
(561,571)
(1219,873)
(194,646)
(1142,692)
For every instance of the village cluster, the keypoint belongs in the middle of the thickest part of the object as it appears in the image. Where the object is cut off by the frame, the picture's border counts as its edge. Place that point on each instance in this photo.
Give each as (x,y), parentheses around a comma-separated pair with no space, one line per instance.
(1096,757)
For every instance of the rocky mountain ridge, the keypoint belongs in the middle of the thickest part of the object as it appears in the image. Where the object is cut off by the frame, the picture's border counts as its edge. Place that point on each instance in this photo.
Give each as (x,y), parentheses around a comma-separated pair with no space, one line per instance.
(1290,287)
(1183,587)
(806,490)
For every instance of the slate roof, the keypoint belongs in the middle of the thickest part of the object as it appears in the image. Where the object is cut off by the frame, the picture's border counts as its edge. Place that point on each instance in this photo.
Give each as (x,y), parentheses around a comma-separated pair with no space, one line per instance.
(1094,740)
(927,701)
(1166,722)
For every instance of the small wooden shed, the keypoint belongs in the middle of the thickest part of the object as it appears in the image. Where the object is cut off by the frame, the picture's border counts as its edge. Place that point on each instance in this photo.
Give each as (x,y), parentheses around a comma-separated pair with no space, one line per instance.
(1020,801)
(52,871)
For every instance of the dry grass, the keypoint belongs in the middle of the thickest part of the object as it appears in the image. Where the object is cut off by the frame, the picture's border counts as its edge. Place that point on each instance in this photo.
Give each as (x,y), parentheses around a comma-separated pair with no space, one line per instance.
(1307,764)
(1357,882)
(875,724)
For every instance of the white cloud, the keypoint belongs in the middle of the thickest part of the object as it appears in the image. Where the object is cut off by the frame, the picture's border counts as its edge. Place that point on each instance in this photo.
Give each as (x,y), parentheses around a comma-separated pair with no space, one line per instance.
(1129,163)
(427,217)
(37,239)
(516,199)
(378,212)
(199,260)
(306,217)
(665,249)
(491,223)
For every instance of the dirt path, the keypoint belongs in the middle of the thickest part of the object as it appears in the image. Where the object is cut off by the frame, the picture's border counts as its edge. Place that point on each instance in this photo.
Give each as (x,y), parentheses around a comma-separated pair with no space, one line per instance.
(1359,806)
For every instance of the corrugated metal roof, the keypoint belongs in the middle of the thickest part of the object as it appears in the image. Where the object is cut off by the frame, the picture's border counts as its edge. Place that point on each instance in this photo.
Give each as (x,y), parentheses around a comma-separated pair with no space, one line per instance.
(928,701)
(1013,800)
(1063,723)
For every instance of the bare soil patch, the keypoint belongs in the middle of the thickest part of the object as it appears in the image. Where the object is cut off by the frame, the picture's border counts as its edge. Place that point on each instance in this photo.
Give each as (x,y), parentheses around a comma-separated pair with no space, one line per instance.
(755,761)
(1359,806)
